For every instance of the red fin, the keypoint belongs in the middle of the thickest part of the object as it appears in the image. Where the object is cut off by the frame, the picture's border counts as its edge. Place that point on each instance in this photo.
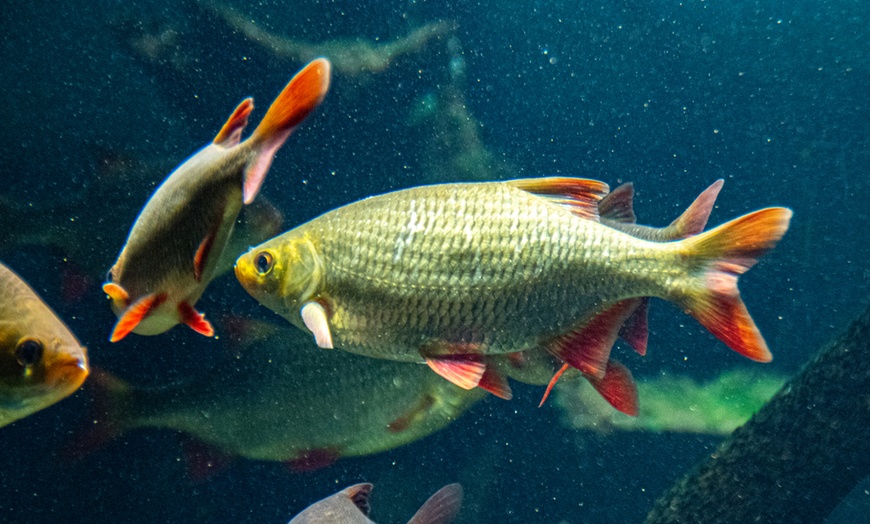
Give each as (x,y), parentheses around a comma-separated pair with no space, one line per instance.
(300,97)
(618,205)
(441,508)
(200,259)
(203,459)
(118,294)
(694,218)
(495,383)
(195,320)
(581,196)
(463,370)
(314,459)
(405,421)
(635,330)
(617,388)
(552,383)
(135,313)
(359,495)
(730,250)
(588,348)
(231,133)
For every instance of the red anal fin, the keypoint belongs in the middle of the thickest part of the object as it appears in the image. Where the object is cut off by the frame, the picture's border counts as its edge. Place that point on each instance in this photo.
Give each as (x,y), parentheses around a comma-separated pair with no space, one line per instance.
(194,319)
(588,348)
(495,383)
(200,259)
(635,330)
(464,371)
(135,313)
(552,383)
(231,133)
(617,388)
(405,421)
(314,459)
(203,459)
(618,205)
(581,196)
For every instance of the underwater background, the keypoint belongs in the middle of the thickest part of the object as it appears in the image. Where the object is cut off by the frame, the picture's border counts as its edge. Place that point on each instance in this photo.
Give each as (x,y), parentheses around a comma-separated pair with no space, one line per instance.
(104,99)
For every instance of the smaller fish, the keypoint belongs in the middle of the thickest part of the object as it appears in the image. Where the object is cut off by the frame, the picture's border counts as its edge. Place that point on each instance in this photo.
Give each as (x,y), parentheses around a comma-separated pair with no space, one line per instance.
(173,249)
(41,362)
(351,506)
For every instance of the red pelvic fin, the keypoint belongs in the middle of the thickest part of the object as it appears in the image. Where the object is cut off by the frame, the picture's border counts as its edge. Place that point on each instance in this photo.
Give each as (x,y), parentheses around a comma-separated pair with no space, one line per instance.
(617,388)
(635,330)
(465,371)
(588,348)
(200,259)
(194,319)
(618,205)
(581,196)
(495,383)
(135,313)
(442,507)
(413,415)
(203,459)
(552,383)
(231,133)
(314,459)
(299,98)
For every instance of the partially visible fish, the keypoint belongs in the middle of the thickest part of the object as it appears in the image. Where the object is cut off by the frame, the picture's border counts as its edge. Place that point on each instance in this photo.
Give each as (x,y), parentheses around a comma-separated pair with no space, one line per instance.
(173,249)
(282,399)
(41,362)
(351,506)
(449,273)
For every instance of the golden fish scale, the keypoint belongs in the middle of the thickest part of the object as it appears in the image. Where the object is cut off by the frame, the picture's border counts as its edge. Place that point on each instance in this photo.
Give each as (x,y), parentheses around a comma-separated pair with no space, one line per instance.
(472,267)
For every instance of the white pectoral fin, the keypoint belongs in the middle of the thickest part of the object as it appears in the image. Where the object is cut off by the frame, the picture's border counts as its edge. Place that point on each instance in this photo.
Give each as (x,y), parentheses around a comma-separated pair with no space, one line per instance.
(314,318)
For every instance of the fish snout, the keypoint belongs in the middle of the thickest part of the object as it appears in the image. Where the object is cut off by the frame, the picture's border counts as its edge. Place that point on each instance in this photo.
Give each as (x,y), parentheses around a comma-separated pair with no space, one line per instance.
(68,369)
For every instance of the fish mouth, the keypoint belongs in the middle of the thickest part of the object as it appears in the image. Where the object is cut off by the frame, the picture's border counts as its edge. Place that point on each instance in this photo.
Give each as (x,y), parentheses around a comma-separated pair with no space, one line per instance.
(68,373)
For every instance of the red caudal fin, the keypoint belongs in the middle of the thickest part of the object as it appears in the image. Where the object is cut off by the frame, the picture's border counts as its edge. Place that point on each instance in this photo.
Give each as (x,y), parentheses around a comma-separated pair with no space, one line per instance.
(299,98)
(727,252)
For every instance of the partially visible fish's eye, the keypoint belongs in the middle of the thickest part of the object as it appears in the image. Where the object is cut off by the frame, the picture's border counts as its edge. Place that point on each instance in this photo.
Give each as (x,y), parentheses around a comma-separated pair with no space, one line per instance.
(29,352)
(263,262)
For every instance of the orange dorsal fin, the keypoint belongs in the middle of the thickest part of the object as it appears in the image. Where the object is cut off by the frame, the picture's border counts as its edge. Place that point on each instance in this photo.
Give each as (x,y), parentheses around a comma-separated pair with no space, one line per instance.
(464,371)
(231,133)
(194,319)
(300,97)
(588,348)
(118,294)
(618,388)
(581,196)
(135,313)
(618,205)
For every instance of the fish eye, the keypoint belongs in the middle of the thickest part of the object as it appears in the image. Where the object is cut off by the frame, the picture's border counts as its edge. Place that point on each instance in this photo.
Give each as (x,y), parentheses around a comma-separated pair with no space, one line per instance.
(263,262)
(28,352)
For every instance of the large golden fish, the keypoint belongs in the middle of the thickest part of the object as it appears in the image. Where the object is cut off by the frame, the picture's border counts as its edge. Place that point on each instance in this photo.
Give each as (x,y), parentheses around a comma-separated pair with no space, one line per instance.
(173,249)
(449,273)
(41,362)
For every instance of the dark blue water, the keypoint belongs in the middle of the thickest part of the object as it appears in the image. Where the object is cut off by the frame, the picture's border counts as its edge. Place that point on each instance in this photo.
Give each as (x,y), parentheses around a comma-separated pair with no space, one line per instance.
(770,96)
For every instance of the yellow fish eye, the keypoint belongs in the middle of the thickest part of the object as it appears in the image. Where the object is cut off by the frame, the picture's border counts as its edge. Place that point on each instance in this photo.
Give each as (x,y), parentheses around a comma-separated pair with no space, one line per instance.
(263,262)
(28,352)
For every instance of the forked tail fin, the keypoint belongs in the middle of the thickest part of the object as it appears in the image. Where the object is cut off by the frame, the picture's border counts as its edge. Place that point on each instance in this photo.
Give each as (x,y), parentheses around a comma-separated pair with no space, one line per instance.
(726,252)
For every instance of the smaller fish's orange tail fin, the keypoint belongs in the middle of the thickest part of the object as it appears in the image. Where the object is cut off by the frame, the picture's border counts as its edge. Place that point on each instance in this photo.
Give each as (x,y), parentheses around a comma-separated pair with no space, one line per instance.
(298,99)
(730,250)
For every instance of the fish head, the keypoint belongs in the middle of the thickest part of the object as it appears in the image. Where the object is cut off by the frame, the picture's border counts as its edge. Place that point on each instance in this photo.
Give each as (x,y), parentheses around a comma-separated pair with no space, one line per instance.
(282,274)
(41,362)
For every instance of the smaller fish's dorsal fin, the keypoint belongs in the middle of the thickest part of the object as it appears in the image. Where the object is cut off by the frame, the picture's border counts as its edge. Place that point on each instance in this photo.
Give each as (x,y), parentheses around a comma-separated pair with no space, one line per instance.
(618,205)
(581,196)
(441,508)
(231,133)
(359,494)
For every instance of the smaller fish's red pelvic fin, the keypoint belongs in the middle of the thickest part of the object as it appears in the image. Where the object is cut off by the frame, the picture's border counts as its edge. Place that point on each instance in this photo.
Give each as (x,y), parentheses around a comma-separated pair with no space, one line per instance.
(618,205)
(464,371)
(194,319)
(635,330)
(618,388)
(118,294)
(299,98)
(231,133)
(552,383)
(413,415)
(588,348)
(441,508)
(314,459)
(694,218)
(495,383)
(135,313)
(730,250)
(581,196)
